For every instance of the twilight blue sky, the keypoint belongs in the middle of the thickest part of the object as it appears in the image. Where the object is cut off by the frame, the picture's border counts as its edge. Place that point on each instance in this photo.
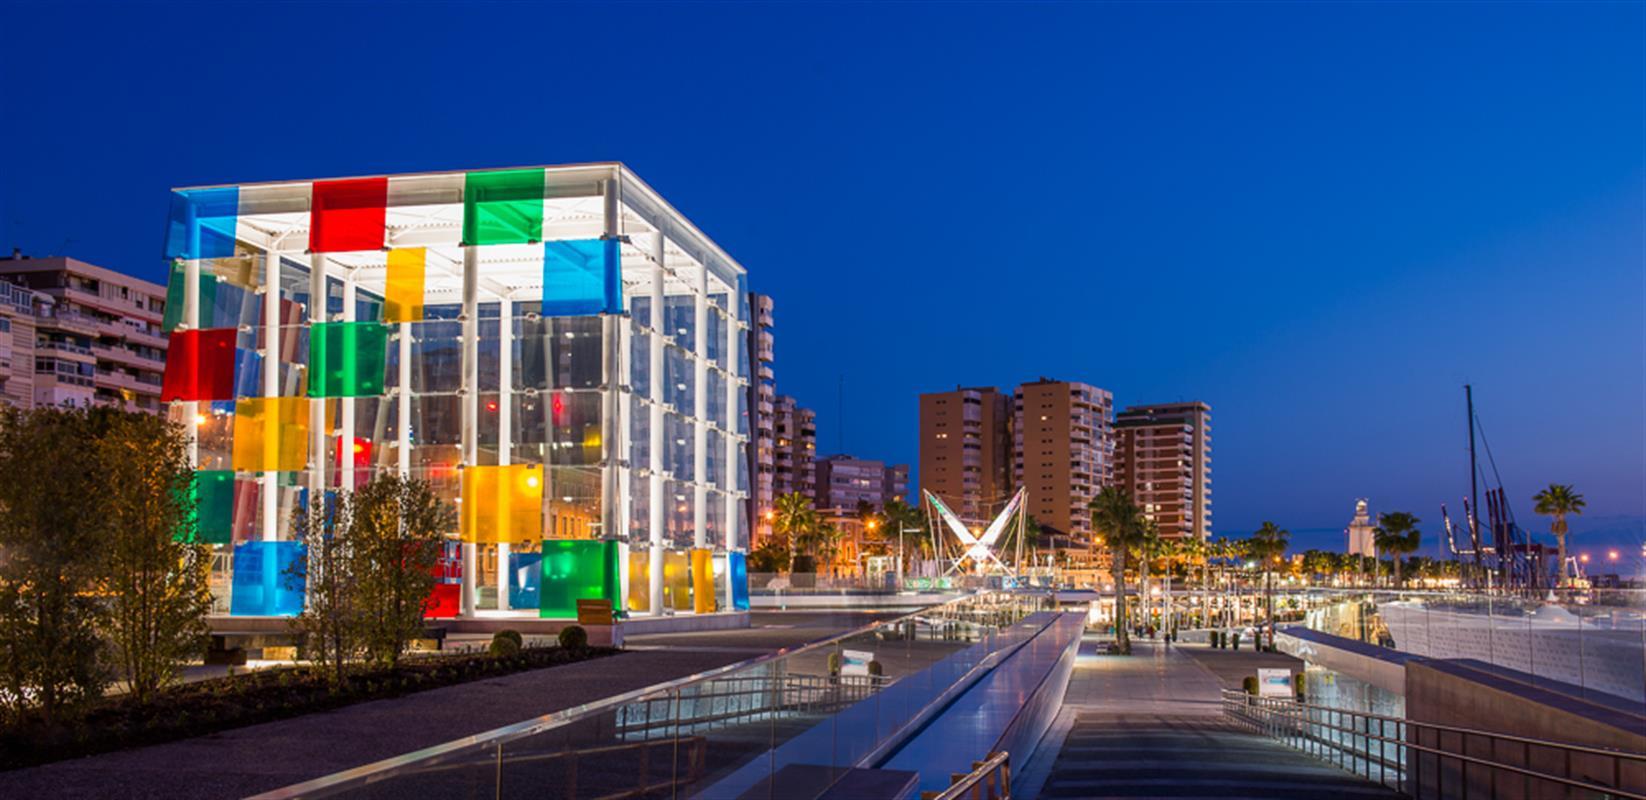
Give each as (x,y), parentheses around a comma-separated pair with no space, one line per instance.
(1322,219)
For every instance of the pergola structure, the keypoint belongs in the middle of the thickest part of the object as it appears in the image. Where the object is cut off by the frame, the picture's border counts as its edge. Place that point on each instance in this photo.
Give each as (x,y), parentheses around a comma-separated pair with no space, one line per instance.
(555,349)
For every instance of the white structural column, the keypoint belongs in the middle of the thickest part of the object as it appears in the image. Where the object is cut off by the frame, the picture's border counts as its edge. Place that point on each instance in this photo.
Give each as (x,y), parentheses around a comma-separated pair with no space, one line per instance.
(654,449)
(471,406)
(611,392)
(317,406)
(700,410)
(345,419)
(191,320)
(271,385)
(734,453)
(403,408)
(505,426)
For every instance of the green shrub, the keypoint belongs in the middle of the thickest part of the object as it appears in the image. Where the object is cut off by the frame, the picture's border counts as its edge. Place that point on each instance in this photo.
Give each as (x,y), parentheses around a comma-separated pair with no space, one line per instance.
(1299,687)
(875,669)
(510,633)
(834,664)
(573,637)
(1237,641)
(503,647)
(1249,683)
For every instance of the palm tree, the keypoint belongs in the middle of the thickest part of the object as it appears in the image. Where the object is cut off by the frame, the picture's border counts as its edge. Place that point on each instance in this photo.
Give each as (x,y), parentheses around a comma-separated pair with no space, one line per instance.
(795,520)
(1195,551)
(1557,501)
(1397,535)
(1267,545)
(1222,549)
(1115,518)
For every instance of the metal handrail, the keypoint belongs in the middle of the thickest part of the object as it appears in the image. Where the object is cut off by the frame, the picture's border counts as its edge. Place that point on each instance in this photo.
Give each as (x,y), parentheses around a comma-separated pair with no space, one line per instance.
(498,737)
(1296,719)
(1599,751)
(990,779)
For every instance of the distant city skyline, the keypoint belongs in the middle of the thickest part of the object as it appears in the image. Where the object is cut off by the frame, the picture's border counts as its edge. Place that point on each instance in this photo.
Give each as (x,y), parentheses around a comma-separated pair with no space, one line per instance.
(1445,194)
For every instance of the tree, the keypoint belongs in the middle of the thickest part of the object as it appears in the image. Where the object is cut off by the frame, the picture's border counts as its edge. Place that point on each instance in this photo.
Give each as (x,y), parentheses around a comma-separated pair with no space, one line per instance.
(51,657)
(330,625)
(1557,501)
(904,523)
(1397,535)
(1115,518)
(771,555)
(1149,547)
(794,519)
(1267,545)
(397,530)
(157,573)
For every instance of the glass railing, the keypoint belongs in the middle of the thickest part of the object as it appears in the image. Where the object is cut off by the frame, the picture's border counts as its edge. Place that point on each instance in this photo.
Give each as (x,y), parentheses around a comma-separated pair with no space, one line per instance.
(1591,643)
(787,725)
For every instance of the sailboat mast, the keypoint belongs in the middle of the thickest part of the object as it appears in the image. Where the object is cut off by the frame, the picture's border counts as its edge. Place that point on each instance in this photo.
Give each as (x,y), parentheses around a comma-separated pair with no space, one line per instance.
(1474,489)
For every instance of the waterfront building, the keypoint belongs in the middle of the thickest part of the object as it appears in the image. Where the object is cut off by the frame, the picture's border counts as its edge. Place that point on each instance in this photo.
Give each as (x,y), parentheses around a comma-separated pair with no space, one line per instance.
(1361,533)
(966,450)
(1164,460)
(556,350)
(76,334)
(1063,450)
(843,482)
(794,449)
(762,412)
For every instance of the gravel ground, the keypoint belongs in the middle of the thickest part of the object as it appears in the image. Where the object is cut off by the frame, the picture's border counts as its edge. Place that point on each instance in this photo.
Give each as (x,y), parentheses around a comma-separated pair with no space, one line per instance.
(258,758)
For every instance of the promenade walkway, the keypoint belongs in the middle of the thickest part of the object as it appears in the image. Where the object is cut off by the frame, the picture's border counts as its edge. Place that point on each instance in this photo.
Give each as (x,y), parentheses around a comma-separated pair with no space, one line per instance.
(257,758)
(1151,725)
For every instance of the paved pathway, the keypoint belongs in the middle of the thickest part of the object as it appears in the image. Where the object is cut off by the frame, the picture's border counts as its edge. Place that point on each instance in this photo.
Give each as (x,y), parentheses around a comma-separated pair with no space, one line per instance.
(257,758)
(1151,726)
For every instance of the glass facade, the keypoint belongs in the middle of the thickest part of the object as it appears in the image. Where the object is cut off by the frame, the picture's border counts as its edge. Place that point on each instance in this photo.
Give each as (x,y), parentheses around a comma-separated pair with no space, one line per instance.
(552,349)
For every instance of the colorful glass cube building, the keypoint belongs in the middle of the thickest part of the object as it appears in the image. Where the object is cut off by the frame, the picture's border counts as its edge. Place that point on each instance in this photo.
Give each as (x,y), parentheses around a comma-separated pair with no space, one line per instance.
(554,349)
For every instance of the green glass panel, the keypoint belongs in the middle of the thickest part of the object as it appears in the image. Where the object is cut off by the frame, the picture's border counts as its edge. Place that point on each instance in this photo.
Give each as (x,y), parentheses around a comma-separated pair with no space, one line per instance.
(174,298)
(347,359)
(213,512)
(503,207)
(573,570)
(214,490)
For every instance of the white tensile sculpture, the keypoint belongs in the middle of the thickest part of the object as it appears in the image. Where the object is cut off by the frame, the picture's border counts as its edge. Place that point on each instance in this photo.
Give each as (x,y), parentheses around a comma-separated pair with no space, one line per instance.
(979,549)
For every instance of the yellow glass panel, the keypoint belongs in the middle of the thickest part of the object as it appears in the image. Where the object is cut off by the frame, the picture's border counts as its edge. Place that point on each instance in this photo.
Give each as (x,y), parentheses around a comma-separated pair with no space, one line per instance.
(640,583)
(271,434)
(703,581)
(677,580)
(403,292)
(502,503)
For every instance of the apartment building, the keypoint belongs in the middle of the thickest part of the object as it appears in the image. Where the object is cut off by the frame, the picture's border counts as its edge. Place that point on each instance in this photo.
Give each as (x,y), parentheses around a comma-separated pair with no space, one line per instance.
(73,333)
(1062,450)
(845,481)
(762,419)
(794,448)
(1165,461)
(966,450)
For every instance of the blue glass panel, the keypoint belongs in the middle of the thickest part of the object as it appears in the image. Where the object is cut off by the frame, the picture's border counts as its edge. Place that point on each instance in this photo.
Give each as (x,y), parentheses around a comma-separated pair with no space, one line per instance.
(202,223)
(263,585)
(740,580)
(581,277)
(525,585)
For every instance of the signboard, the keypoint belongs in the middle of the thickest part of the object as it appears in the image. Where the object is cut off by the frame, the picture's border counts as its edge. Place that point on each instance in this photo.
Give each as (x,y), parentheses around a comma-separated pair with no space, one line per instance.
(1274,683)
(855,662)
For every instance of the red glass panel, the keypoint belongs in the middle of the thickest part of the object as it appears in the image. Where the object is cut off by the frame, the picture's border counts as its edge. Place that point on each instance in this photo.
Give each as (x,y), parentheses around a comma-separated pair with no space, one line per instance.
(348,215)
(199,365)
(442,601)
